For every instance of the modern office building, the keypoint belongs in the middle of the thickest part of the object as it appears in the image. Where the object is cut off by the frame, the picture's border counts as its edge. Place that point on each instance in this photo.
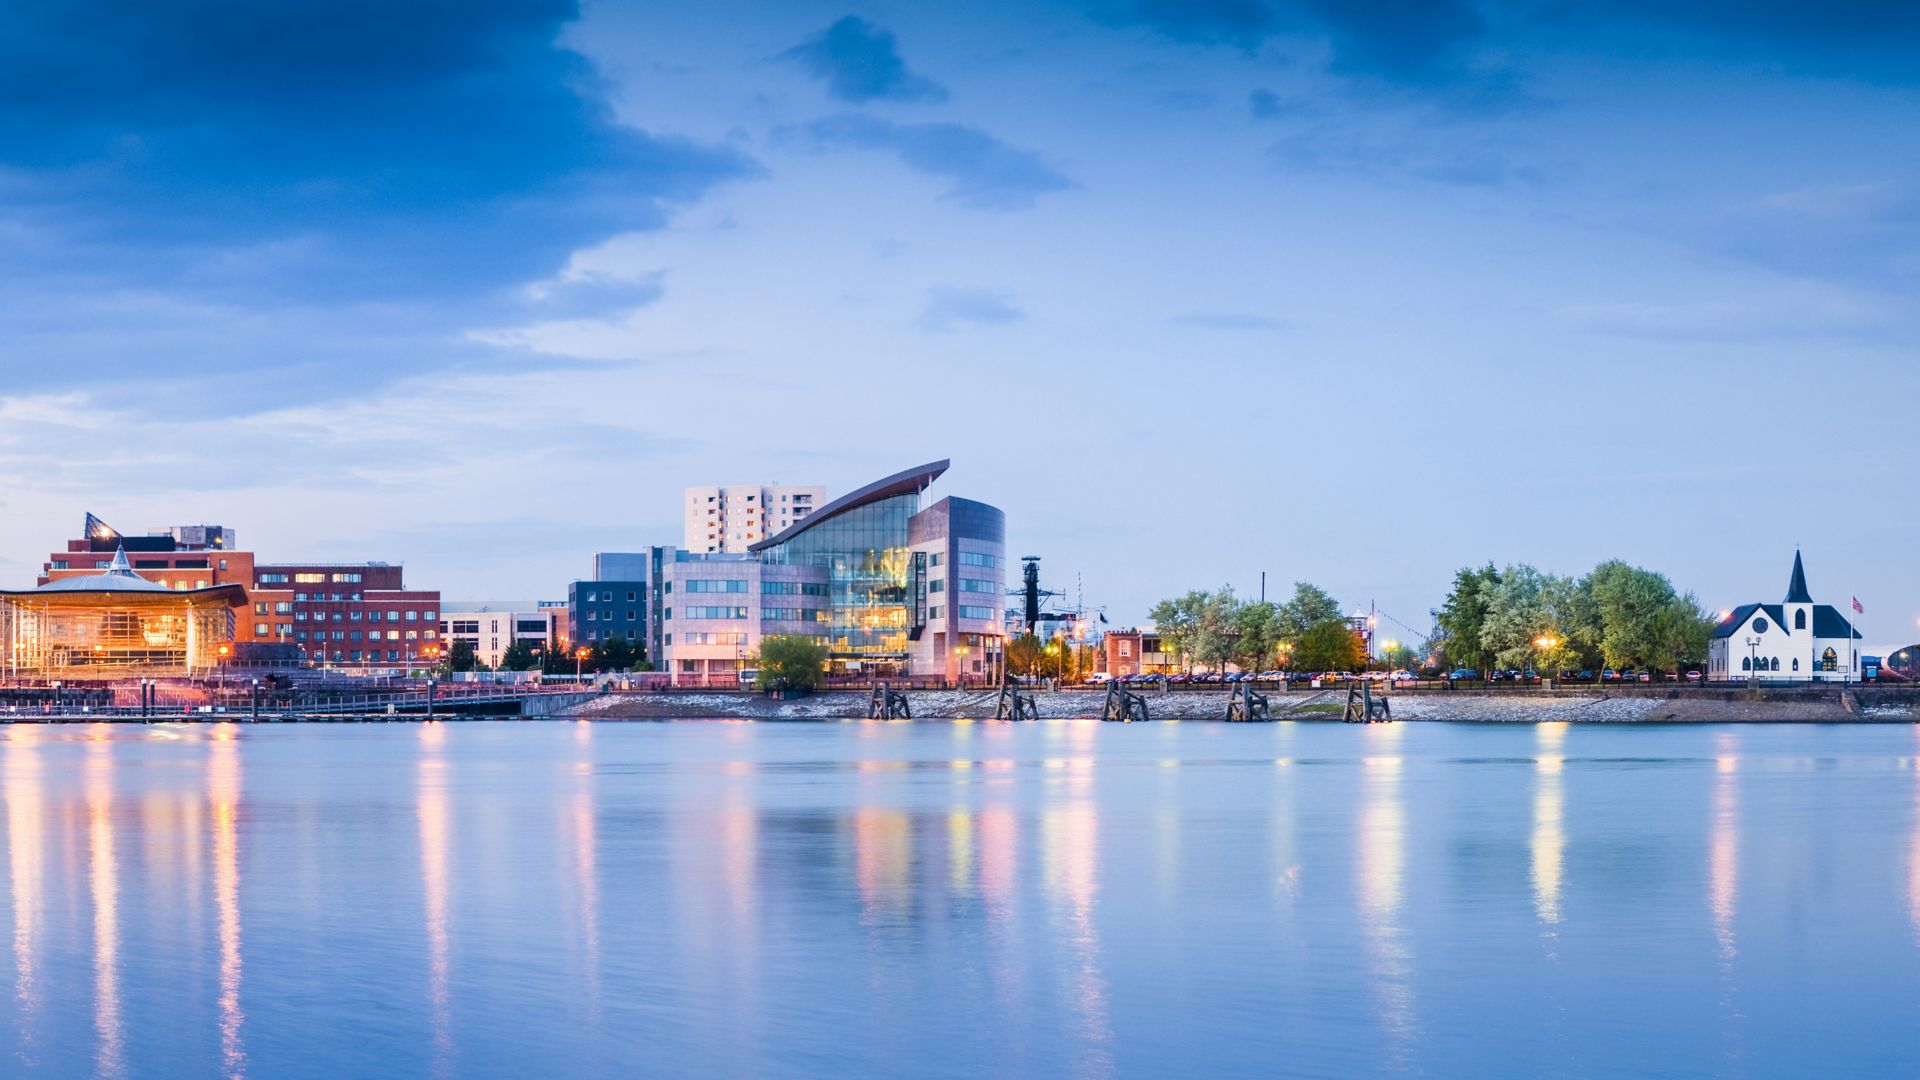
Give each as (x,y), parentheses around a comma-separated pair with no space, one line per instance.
(493,626)
(729,519)
(354,617)
(909,591)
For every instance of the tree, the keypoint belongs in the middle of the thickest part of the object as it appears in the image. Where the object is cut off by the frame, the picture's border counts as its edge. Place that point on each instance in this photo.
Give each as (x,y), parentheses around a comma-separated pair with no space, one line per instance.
(615,654)
(1024,655)
(1463,617)
(1401,655)
(1257,627)
(461,657)
(1681,632)
(1310,605)
(791,662)
(1523,608)
(518,657)
(1178,621)
(1216,632)
(1328,645)
(1632,606)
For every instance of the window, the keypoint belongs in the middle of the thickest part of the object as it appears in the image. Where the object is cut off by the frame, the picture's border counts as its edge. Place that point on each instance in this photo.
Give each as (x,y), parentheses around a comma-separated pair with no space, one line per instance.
(936,585)
(632,616)
(347,579)
(975,558)
(283,608)
(272,579)
(413,616)
(792,588)
(61,564)
(259,629)
(725,585)
(300,597)
(713,612)
(1776,664)
(307,579)
(1829,660)
(1126,648)
(339,635)
(936,612)
(283,628)
(223,564)
(259,609)
(393,616)
(1759,626)
(429,615)
(631,596)
(466,626)
(968,611)
(1746,663)
(1796,663)
(1800,620)
(353,635)
(978,585)
(354,617)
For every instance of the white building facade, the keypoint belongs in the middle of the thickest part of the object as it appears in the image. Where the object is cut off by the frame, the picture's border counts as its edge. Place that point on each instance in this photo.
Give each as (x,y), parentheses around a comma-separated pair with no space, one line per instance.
(728,519)
(1795,640)
(492,627)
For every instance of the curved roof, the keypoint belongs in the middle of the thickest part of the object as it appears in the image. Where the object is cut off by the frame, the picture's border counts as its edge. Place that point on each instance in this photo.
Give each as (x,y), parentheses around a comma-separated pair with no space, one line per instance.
(910,482)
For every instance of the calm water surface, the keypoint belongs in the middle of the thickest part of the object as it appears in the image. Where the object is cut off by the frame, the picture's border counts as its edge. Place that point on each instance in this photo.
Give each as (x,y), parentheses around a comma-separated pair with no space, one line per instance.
(926,899)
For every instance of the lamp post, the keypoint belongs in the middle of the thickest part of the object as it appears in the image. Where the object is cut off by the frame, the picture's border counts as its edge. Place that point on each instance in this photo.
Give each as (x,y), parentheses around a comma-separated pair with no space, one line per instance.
(1753,659)
(961,668)
(431,683)
(1546,643)
(1386,654)
(256,700)
(579,659)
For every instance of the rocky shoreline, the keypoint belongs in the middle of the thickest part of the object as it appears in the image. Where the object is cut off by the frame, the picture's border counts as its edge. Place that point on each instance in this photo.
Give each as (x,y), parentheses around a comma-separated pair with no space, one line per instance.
(1856,705)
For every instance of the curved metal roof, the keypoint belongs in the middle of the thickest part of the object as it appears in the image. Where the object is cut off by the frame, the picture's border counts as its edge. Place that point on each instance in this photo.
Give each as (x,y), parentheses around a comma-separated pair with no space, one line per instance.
(910,482)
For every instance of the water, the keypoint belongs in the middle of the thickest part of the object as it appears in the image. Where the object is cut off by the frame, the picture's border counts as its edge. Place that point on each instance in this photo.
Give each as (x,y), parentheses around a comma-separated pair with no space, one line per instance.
(931,899)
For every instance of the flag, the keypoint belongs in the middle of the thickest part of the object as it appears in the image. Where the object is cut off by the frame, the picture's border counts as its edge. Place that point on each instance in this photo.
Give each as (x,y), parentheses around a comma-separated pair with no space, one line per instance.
(1857,609)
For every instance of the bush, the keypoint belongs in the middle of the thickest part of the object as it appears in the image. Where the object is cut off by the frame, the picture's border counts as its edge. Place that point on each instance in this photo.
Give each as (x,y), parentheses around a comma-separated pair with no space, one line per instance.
(791,662)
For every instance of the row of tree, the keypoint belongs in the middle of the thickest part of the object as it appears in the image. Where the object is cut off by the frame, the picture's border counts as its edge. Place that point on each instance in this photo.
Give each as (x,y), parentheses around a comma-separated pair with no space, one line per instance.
(1214,629)
(1618,616)
(613,654)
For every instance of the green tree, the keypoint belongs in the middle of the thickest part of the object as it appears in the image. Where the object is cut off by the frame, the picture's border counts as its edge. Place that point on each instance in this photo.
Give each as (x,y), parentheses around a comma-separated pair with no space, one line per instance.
(1681,633)
(518,657)
(461,657)
(1463,617)
(616,654)
(1216,632)
(1523,608)
(1328,645)
(1024,655)
(1632,607)
(1178,621)
(791,662)
(1257,626)
(1310,605)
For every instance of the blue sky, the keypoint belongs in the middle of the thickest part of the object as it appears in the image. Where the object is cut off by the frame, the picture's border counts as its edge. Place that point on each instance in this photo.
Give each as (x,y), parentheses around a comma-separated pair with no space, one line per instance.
(1355,293)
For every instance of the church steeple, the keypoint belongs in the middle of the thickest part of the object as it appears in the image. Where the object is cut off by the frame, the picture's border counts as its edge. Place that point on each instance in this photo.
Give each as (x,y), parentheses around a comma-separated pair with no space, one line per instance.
(1797,588)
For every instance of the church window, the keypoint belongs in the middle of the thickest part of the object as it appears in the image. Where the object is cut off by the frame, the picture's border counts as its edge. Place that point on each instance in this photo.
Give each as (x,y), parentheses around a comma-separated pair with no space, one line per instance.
(1829,660)
(1800,620)
(1759,626)
(1746,663)
(1776,664)
(1796,663)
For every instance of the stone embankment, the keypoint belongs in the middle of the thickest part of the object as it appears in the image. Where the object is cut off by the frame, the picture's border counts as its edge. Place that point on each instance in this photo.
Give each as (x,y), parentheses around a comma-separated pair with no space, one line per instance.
(1690,705)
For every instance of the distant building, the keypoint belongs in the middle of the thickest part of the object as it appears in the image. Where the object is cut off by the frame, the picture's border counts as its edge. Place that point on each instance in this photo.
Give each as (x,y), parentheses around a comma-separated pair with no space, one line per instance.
(603,609)
(493,626)
(731,518)
(355,617)
(1135,651)
(1794,640)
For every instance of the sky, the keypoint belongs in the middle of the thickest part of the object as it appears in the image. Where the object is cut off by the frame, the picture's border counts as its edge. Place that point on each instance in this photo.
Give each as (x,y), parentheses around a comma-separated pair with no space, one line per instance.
(1354,293)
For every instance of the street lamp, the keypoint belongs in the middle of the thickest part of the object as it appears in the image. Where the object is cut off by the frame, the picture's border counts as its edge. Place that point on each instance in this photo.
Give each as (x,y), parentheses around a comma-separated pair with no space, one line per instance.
(1546,643)
(579,658)
(962,668)
(1753,658)
(1386,653)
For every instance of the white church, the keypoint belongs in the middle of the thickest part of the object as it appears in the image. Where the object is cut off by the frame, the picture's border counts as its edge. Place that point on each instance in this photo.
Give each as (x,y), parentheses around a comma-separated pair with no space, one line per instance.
(1795,639)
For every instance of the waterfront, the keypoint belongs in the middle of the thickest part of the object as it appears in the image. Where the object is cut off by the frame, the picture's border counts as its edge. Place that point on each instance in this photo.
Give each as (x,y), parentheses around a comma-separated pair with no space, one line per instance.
(1063,897)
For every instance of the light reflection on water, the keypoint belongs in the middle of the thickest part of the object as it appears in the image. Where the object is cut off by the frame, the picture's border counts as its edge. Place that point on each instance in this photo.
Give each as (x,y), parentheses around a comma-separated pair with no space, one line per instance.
(960,899)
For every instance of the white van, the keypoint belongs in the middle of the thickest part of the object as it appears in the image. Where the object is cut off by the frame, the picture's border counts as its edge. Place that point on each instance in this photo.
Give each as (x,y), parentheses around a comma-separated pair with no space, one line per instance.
(748,676)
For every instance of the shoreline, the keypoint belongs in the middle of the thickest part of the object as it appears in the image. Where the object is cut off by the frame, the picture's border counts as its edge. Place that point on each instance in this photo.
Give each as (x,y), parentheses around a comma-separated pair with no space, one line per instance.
(1852,706)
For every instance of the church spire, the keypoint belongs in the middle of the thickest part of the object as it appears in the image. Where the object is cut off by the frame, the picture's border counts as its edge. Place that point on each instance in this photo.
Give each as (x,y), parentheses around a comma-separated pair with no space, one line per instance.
(1797,588)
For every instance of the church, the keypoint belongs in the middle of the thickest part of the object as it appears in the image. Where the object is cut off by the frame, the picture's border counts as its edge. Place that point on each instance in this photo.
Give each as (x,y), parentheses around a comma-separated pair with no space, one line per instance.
(1794,640)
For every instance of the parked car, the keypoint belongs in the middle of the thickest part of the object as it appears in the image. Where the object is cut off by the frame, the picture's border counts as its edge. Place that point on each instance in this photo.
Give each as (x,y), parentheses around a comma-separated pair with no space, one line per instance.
(1099,678)
(1463,673)
(1693,676)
